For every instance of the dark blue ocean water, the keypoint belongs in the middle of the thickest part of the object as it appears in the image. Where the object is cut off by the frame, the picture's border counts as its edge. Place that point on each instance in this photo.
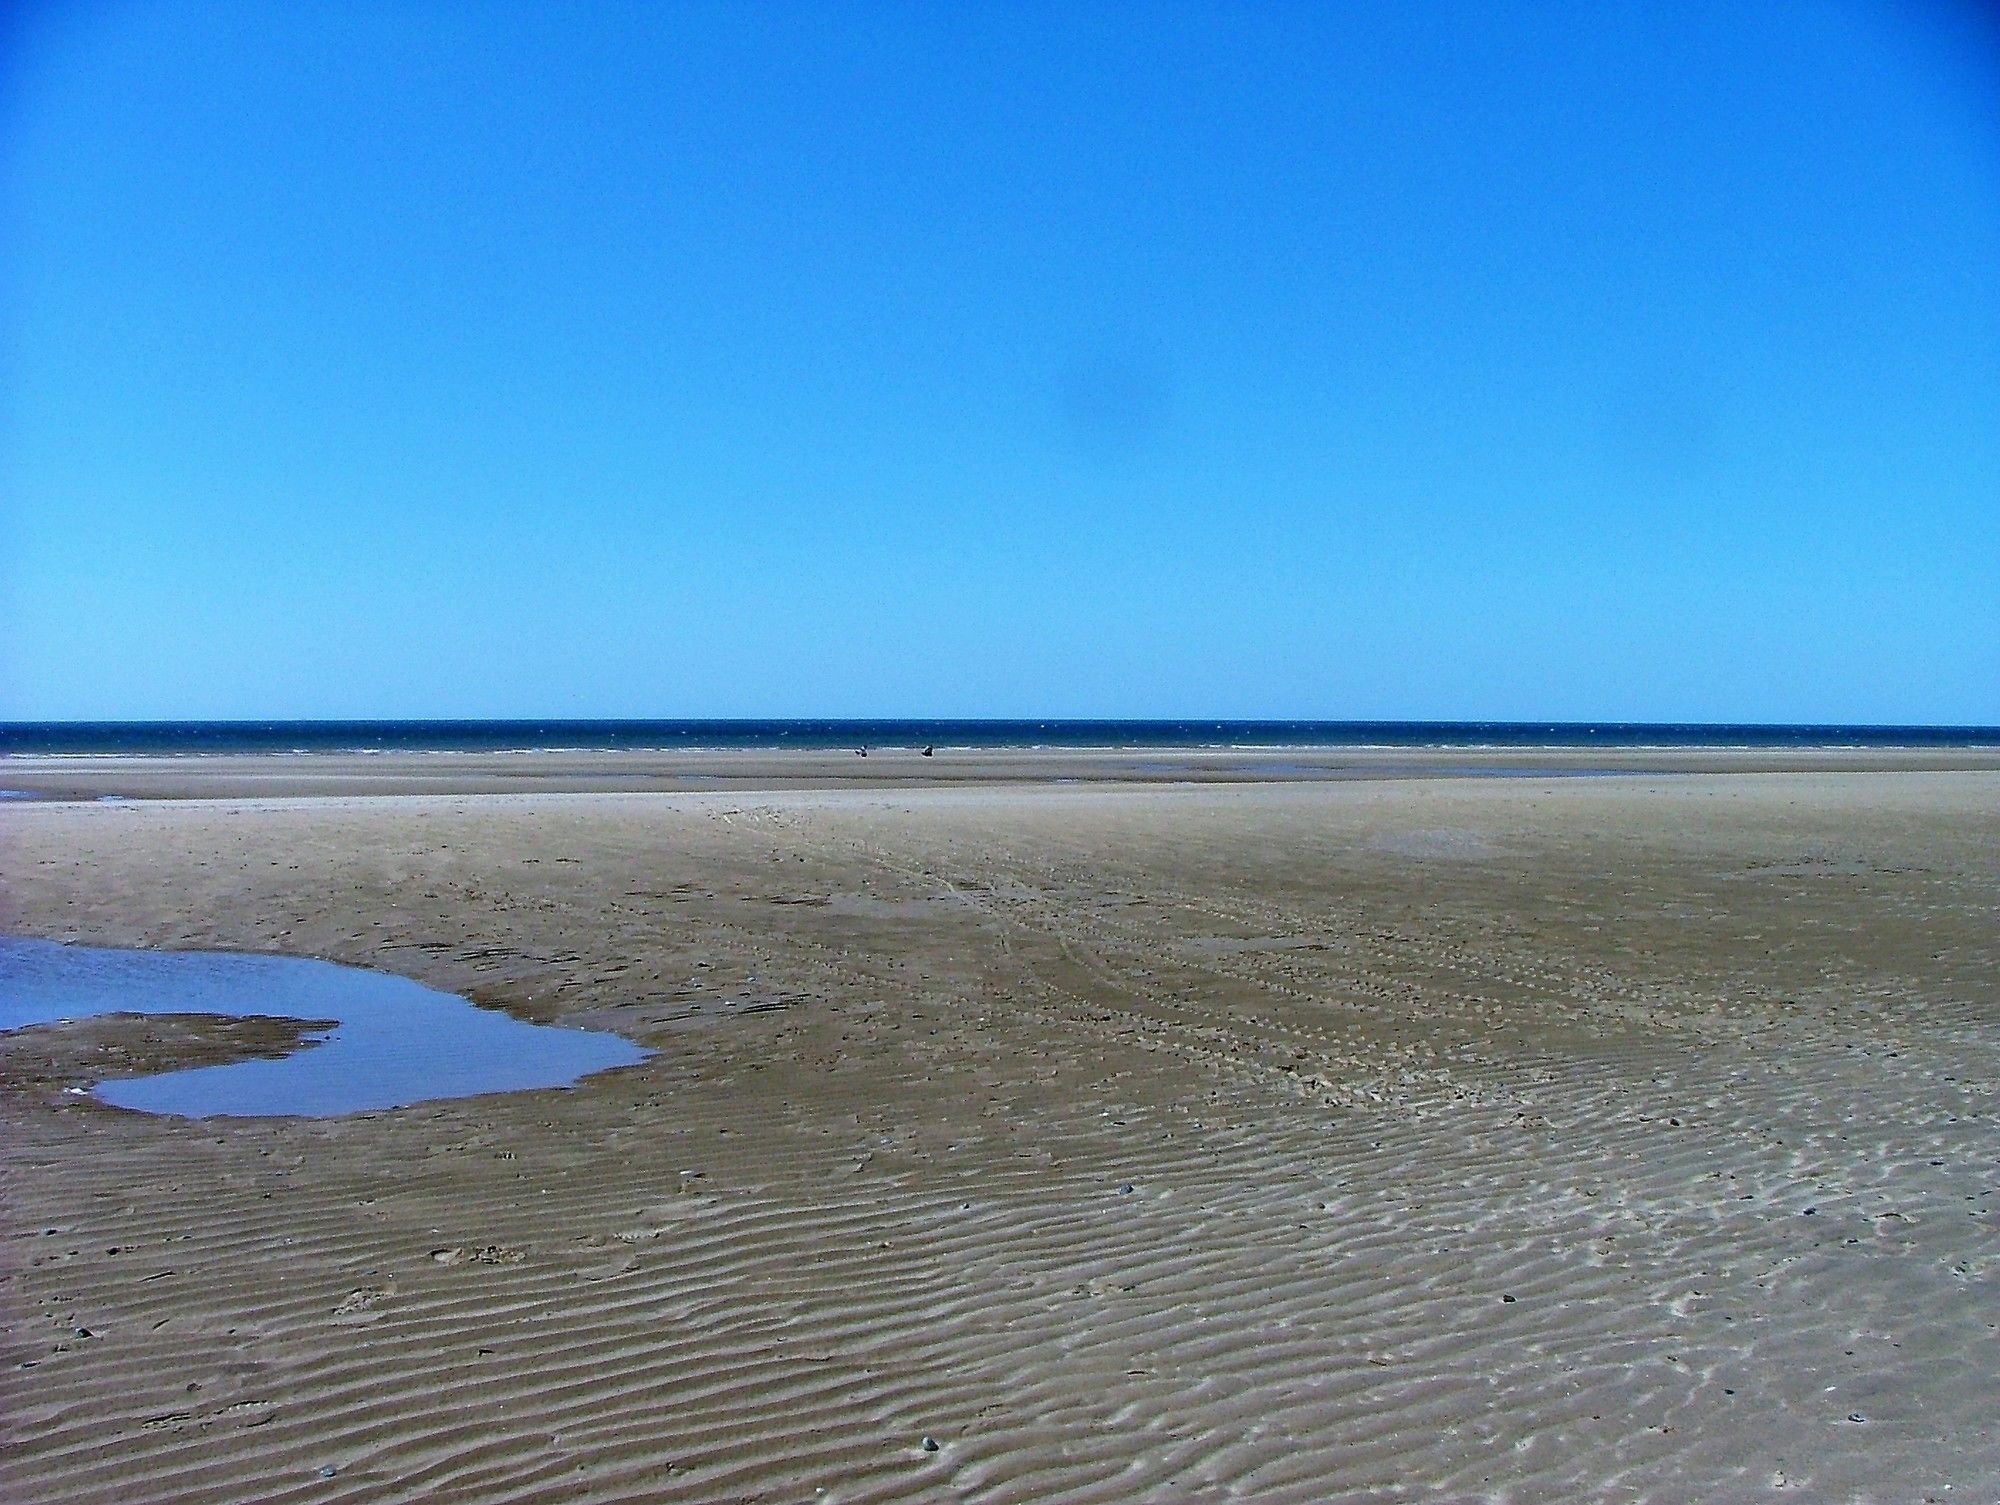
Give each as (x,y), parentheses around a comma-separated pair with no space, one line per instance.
(496,736)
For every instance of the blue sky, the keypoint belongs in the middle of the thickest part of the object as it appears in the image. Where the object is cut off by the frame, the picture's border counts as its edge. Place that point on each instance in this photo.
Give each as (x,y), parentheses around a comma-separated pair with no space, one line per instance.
(1511,361)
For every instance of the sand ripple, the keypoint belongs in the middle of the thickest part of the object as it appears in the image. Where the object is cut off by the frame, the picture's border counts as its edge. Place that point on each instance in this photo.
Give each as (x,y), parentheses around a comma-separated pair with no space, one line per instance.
(1149,1146)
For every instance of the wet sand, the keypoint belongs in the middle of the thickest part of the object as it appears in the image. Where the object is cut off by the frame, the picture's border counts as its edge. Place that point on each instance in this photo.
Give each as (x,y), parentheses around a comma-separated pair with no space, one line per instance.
(1290,1138)
(628,771)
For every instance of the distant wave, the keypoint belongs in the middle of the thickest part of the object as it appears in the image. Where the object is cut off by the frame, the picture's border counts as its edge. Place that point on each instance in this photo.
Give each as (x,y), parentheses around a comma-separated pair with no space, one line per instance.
(198,737)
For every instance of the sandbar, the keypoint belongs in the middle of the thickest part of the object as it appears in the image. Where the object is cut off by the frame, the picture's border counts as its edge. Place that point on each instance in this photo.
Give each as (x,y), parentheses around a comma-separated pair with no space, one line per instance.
(1153,1136)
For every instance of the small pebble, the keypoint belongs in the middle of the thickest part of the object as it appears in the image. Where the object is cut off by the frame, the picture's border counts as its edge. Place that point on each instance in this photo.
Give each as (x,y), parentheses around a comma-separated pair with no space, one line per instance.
(328,1472)
(1508,1299)
(1810,1211)
(929,1444)
(1124,1188)
(1855,1416)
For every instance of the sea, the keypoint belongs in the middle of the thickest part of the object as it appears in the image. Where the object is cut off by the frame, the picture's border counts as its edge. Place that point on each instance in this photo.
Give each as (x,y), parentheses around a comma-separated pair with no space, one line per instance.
(212,737)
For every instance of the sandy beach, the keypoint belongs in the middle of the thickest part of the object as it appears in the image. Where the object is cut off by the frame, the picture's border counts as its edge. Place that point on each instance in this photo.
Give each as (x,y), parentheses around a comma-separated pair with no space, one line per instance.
(1306,1128)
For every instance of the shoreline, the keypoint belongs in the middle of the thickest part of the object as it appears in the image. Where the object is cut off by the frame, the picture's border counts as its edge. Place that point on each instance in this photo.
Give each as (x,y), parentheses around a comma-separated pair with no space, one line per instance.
(30,779)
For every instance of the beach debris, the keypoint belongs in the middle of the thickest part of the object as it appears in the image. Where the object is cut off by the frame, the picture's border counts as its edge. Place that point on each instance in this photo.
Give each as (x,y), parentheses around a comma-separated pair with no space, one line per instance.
(1124,1188)
(489,1254)
(929,1444)
(1508,1299)
(929,750)
(328,1471)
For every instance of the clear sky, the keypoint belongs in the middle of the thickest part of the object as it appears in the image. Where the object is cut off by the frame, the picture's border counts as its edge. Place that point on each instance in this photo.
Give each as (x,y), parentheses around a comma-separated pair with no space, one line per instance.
(1372,360)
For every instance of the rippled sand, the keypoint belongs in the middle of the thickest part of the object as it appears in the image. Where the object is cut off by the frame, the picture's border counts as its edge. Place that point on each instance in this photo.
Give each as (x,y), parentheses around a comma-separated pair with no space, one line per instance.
(1571,1139)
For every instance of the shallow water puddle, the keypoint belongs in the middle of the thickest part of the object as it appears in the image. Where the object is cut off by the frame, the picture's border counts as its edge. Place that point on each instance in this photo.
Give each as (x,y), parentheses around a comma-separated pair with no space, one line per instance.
(394,1042)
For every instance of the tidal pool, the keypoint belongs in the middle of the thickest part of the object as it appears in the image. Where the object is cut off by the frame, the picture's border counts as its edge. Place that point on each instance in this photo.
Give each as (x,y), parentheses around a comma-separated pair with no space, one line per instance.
(394,1042)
